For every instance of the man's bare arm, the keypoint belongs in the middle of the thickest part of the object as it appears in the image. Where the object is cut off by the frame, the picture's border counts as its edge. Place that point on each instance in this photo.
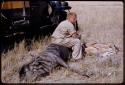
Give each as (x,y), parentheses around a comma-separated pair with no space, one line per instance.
(77,35)
(72,35)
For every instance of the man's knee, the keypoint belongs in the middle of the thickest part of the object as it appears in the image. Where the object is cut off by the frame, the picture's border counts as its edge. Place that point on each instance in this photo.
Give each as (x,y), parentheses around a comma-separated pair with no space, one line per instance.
(77,41)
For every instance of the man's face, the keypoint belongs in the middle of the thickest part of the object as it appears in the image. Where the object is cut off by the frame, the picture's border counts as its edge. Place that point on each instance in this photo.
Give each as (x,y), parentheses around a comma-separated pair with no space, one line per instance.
(73,19)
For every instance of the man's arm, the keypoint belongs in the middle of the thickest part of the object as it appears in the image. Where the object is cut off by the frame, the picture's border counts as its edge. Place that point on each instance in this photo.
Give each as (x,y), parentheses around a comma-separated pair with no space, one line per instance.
(71,35)
(77,35)
(74,35)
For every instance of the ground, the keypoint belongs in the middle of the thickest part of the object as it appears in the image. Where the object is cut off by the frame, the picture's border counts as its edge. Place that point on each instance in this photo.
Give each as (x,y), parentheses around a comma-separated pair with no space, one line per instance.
(100,22)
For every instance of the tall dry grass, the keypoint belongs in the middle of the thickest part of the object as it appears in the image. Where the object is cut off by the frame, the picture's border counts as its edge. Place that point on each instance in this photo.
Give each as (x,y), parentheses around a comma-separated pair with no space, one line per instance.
(12,60)
(100,22)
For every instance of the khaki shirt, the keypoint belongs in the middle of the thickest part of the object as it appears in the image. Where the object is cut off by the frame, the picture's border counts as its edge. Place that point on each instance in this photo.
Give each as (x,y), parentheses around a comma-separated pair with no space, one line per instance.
(64,29)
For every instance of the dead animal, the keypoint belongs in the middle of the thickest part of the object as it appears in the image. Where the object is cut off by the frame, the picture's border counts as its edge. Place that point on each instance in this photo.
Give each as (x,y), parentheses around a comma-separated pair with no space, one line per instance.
(43,64)
(100,49)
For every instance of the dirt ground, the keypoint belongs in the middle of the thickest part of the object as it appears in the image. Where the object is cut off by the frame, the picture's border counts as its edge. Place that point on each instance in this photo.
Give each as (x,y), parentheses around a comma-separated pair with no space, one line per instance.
(100,22)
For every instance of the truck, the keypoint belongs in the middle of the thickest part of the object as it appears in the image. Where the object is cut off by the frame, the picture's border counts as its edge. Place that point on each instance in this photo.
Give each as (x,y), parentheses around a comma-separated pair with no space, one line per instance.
(31,17)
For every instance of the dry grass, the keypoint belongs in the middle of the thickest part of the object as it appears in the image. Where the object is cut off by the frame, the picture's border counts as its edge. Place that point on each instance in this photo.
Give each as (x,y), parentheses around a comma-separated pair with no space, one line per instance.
(12,60)
(100,22)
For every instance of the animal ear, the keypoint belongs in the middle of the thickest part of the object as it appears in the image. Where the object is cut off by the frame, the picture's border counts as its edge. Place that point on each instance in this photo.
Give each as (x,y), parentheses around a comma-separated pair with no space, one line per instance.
(22,72)
(116,49)
(84,45)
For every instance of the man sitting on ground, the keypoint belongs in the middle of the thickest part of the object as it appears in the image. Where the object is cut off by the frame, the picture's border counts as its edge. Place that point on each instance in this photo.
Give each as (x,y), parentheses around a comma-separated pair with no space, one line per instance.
(66,35)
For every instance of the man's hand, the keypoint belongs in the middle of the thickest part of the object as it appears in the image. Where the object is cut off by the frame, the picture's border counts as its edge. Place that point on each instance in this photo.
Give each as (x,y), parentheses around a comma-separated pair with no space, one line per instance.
(76,35)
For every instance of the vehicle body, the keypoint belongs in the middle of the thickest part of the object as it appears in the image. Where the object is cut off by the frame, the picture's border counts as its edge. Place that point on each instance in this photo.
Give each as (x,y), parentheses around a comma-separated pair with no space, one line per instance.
(27,17)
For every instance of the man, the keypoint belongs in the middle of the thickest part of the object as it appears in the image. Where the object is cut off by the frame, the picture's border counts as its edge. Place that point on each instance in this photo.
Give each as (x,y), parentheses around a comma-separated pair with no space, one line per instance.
(66,35)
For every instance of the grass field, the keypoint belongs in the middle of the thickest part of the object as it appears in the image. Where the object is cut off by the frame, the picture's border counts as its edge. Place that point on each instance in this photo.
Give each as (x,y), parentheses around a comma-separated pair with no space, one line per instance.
(100,22)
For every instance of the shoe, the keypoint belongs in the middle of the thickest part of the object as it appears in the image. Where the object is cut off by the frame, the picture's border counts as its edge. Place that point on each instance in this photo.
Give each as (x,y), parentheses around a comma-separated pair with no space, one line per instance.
(73,60)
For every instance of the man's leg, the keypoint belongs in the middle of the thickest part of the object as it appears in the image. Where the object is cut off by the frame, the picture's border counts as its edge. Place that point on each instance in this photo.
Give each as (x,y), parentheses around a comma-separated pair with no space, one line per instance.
(76,46)
(77,49)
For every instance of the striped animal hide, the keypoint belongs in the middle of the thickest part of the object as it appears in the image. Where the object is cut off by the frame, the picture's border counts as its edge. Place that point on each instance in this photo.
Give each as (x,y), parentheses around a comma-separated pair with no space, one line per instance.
(53,56)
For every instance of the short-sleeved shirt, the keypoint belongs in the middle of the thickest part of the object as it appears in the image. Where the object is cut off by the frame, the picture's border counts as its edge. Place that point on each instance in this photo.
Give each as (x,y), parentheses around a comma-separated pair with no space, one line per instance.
(63,29)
